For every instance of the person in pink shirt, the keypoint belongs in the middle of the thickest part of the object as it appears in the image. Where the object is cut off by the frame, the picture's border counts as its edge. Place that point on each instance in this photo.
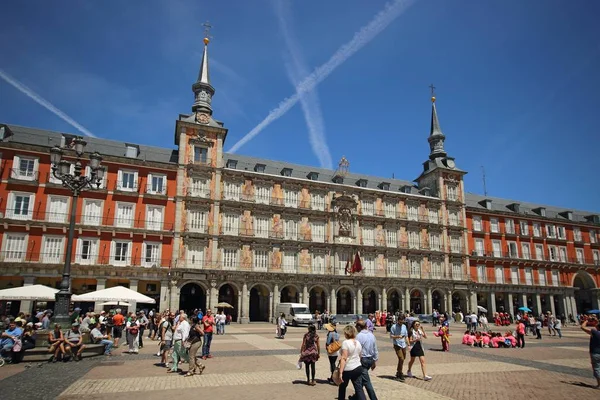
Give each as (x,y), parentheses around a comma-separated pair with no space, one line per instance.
(512,339)
(465,339)
(485,337)
(495,340)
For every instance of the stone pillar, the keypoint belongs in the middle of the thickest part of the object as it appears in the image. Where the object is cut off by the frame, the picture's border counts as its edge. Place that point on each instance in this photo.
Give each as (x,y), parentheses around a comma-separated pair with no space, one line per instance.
(245,304)
(305,297)
(510,308)
(552,310)
(428,302)
(174,293)
(406,299)
(333,303)
(274,315)
(164,288)
(358,302)
(449,309)
(27,305)
(214,296)
(239,305)
(524,300)
(473,301)
(100,285)
(383,299)
(133,285)
(354,305)
(573,305)
(566,308)
(538,304)
(492,305)
(271,309)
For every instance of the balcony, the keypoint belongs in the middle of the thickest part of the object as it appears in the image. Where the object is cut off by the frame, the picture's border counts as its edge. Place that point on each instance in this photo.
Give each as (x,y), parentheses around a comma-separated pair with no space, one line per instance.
(154,191)
(510,255)
(127,188)
(23,176)
(85,259)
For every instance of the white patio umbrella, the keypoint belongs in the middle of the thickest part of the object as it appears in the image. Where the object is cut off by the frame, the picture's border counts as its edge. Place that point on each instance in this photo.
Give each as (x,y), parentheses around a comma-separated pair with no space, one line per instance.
(116,303)
(116,293)
(31,292)
(481,309)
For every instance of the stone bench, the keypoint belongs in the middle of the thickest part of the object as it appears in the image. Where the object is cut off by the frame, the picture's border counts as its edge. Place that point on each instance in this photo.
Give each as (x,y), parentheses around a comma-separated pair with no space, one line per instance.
(40,353)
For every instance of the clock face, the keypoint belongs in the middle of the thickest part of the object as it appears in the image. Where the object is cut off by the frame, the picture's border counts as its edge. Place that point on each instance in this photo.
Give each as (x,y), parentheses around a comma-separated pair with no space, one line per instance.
(202,118)
(450,163)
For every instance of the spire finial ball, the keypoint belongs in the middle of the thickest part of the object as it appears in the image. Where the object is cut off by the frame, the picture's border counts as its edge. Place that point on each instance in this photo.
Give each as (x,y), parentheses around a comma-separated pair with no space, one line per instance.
(433,99)
(206,41)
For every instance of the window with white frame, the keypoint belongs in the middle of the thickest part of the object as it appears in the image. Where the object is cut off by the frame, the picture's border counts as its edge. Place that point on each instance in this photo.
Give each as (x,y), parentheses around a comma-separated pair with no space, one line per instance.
(232,190)
(391,237)
(514,275)
(452,191)
(53,249)
(412,212)
(291,229)
(539,252)
(526,251)
(537,229)
(261,260)
(289,262)
(199,187)
(562,252)
(436,269)
(318,264)
(194,256)
(435,241)
(120,252)
(230,259)
(577,234)
(456,244)
(57,209)
(509,225)
(124,215)
(92,212)
(550,231)
(262,194)
(389,209)
(477,226)
(127,180)
(317,201)
(513,251)
(88,174)
(231,223)
(157,184)
(87,251)
(15,247)
(553,252)
(497,248)
(592,236)
(479,247)
(151,254)
(562,232)
(368,236)
(261,226)
(154,217)
(25,168)
(596,257)
(369,262)
(318,231)
(579,253)
(197,221)
(20,205)
(457,271)
(453,217)
(415,268)
(554,278)
(499,273)
(290,198)
(494,225)
(542,277)
(528,276)
(524,228)
(392,267)
(200,155)
(481,277)
(368,207)
(433,216)
(413,239)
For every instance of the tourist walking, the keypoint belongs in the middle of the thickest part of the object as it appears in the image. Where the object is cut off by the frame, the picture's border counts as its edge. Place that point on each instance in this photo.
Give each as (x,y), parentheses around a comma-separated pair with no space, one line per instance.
(521,334)
(332,345)
(309,353)
(368,356)
(208,324)
(195,340)
(415,337)
(594,348)
(398,334)
(182,331)
(133,330)
(166,337)
(350,364)
(558,327)
(281,326)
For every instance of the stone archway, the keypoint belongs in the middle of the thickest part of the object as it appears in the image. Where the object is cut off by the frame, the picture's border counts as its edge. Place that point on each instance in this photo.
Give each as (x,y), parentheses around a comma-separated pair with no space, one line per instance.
(317,299)
(438,301)
(369,301)
(191,297)
(585,296)
(259,303)
(416,301)
(394,301)
(345,301)
(228,294)
(459,302)
(289,294)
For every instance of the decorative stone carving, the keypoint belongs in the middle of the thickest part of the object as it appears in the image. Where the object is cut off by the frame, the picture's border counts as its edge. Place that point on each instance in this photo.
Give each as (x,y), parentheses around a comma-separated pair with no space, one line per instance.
(379,236)
(276,260)
(305,230)
(247,228)
(304,198)
(305,261)
(246,258)
(277,226)
(248,190)
(277,195)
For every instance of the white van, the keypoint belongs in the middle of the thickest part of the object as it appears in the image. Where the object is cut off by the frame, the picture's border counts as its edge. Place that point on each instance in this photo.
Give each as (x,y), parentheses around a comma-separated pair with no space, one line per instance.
(295,313)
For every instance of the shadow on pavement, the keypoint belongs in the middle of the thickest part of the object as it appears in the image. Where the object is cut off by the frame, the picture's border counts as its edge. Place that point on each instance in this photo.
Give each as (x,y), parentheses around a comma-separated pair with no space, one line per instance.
(580,384)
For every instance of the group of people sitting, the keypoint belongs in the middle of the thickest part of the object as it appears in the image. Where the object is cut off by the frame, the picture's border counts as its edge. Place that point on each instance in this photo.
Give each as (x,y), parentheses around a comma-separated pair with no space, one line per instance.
(16,339)
(489,339)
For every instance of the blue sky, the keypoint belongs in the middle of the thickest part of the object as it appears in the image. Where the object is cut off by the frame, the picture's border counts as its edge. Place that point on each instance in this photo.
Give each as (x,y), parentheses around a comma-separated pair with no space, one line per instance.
(516,82)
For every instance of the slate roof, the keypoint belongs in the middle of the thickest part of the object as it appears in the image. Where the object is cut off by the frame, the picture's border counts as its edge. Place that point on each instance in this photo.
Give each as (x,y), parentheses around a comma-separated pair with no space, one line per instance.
(34,136)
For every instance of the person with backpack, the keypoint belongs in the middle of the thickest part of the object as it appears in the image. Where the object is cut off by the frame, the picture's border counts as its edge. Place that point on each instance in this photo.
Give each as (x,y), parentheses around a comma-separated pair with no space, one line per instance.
(333,345)
(166,337)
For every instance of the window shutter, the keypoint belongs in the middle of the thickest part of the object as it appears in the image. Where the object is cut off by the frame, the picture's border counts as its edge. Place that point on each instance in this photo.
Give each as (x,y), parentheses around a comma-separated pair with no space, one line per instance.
(112,252)
(15,166)
(78,251)
(149,188)
(31,203)
(10,205)
(128,260)
(120,179)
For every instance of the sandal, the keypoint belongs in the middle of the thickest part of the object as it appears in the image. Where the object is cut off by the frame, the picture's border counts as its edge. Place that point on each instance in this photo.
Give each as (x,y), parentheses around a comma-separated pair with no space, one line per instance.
(189,374)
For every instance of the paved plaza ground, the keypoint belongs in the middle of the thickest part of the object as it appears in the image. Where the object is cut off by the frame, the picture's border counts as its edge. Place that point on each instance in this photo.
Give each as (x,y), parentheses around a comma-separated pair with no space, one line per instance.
(250,363)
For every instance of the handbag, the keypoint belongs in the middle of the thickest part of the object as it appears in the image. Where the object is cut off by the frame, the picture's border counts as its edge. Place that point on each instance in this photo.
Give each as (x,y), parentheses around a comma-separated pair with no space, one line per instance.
(337,375)
(334,346)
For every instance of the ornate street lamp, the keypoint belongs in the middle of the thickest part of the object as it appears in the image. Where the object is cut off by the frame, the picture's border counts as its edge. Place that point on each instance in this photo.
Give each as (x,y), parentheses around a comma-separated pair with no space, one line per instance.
(76,182)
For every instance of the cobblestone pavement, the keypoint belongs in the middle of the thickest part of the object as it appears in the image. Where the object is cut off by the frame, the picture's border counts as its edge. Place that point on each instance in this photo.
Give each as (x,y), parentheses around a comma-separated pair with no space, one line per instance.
(250,363)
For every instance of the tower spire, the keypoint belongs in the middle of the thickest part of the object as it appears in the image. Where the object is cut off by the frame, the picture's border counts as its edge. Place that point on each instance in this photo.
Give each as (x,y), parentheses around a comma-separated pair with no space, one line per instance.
(203,90)
(436,137)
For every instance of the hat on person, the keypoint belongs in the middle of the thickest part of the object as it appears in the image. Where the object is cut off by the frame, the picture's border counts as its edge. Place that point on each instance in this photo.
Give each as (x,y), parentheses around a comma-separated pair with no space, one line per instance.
(330,327)
(38,324)
(75,324)
(77,309)
(29,324)
(102,312)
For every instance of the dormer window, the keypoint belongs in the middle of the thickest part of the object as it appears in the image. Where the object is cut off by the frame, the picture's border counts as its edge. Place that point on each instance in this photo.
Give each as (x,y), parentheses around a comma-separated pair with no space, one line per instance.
(362,183)
(66,140)
(487,203)
(313,176)
(338,179)
(541,211)
(593,218)
(286,172)
(259,168)
(515,207)
(406,189)
(132,151)
(567,214)
(384,186)
(231,164)
(4,132)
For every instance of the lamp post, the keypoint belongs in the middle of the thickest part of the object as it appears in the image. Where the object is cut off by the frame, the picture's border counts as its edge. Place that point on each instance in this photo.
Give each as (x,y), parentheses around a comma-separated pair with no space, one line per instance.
(76,182)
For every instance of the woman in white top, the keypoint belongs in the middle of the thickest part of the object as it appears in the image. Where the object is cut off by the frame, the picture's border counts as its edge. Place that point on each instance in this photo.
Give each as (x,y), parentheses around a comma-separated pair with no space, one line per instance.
(133,328)
(281,326)
(350,364)
(415,335)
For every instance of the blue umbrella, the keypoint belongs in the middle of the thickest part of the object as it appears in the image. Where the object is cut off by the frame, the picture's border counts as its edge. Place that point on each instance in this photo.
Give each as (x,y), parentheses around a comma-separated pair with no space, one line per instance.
(593,312)
(525,309)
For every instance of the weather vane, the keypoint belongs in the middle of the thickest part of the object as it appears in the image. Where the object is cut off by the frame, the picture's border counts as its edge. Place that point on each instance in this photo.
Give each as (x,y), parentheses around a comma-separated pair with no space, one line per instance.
(432,92)
(207,27)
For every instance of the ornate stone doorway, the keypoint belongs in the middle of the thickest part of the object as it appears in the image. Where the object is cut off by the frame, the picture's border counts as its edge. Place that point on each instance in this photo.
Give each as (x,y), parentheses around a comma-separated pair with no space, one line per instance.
(228,294)
(289,294)
(459,302)
(369,302)
(584,292)
(344,301)
(259,304)
(394,301)
(437,301)
(317,300)
(191,297)
(416,301)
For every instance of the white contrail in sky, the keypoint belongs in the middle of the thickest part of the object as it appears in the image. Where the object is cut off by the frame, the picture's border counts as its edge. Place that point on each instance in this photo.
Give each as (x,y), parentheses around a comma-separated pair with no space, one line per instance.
(44,103)
(367,33)
(311,105)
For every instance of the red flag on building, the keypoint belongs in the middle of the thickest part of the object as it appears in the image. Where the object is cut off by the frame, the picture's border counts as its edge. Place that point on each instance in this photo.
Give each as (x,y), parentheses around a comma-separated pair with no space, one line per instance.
(347,270)
(357,264)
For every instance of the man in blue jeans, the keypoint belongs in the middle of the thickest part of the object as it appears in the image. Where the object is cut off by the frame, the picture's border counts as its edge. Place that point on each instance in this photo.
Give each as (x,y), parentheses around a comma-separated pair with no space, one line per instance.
(368,356)
(208,323)
(594,345)
(99,338)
